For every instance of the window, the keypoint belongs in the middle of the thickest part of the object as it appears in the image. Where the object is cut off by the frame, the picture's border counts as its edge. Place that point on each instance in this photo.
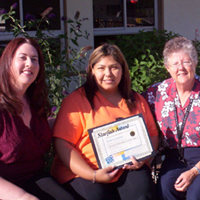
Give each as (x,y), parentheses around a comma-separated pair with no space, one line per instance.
(123,16)
(32,7)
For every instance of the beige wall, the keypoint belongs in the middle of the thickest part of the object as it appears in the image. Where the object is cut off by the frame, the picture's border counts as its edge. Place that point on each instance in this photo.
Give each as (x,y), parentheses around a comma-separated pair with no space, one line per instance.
(86,11)
(182,16)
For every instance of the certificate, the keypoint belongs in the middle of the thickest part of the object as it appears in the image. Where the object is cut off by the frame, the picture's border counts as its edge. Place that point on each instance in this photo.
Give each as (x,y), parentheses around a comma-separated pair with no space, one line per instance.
(116,142)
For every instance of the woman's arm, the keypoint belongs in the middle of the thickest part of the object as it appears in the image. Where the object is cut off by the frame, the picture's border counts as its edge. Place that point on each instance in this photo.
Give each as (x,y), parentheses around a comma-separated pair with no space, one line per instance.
(73,160)
(9,191)
(184,181)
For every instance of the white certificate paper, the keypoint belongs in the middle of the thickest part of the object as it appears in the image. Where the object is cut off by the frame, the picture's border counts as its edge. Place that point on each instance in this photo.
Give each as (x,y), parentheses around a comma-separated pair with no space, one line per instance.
(114,143)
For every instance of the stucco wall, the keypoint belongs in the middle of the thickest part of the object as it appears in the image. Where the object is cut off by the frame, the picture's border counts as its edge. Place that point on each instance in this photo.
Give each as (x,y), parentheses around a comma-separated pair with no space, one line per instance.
(86,11)
(182,16)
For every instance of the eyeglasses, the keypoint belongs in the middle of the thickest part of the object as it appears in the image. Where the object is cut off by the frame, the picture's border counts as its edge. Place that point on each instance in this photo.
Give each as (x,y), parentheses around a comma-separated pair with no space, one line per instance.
(184,64)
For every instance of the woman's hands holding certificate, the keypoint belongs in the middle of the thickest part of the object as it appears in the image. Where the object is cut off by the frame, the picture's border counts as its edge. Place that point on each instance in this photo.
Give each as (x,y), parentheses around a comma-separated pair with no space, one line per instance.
(105,175)
(136,164)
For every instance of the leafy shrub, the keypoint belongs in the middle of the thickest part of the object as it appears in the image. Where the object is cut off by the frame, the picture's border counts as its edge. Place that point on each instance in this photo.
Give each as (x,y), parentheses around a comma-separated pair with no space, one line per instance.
(143,52)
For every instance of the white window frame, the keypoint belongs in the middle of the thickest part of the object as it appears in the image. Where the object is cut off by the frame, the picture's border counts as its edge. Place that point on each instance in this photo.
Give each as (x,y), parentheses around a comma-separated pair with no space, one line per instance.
(5,36)
(125,29)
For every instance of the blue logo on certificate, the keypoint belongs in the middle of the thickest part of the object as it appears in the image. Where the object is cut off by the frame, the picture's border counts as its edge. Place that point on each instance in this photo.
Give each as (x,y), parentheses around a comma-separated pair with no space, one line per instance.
(109,159)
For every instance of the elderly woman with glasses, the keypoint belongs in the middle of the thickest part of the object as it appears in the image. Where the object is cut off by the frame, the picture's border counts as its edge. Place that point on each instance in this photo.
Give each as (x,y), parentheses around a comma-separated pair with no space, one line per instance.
(175,104)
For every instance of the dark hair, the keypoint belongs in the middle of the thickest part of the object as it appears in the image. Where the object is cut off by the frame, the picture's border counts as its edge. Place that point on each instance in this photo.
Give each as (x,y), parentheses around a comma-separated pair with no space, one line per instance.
(179,44)
(37,92)
(125,84)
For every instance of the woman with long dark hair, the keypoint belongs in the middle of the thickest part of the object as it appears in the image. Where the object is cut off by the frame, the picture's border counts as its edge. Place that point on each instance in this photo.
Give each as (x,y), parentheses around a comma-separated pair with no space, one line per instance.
(105,97)
(25,135)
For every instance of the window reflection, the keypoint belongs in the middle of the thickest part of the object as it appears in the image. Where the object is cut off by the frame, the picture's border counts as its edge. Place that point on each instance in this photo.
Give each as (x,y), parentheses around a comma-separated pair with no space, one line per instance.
(108,13)
(140,13)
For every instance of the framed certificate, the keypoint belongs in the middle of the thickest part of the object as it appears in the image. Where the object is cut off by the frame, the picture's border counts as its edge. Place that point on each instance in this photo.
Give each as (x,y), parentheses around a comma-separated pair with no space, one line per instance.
(114,143)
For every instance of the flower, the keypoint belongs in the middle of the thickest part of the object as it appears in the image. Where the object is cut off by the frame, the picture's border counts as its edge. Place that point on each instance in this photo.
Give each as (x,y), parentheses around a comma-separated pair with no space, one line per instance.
(87,48)
(63,18)
(14,6)
(51,16)
(82,55)
(3,12)
(46,12)
(30,17)
(54,108)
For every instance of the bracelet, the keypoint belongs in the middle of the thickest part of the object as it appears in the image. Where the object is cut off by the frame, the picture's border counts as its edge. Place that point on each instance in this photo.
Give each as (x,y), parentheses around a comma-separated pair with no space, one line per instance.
(197,169)
(94,177)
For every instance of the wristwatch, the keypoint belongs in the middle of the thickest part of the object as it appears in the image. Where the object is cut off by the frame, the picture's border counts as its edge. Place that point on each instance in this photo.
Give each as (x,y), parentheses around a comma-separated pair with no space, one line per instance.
(197,169)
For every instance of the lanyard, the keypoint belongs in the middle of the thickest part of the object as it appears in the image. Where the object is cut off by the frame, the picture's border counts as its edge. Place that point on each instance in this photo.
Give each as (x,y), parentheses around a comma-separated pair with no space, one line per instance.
(180,130)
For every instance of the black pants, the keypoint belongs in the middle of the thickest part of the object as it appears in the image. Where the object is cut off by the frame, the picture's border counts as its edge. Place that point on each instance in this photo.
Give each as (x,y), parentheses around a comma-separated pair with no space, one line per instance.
(171,170)
(44,187)
(132,185)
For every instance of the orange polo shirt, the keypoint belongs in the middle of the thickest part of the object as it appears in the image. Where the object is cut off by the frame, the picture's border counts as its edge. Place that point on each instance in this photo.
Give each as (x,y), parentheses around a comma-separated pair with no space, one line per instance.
(76,116)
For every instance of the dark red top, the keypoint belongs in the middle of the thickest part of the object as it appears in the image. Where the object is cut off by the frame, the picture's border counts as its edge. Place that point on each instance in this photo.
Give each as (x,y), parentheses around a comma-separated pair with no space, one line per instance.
(22,148)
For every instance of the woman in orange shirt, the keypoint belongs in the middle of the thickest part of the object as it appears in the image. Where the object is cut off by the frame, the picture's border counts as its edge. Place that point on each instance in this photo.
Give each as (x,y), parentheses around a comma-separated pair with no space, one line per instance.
(105,97)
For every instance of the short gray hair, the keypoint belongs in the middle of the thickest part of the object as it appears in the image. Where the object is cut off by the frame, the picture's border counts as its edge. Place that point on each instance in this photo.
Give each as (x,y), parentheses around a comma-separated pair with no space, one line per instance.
(178,44)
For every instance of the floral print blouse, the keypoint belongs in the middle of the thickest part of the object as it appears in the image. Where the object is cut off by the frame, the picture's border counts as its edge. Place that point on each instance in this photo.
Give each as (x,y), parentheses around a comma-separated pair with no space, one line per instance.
(164,101)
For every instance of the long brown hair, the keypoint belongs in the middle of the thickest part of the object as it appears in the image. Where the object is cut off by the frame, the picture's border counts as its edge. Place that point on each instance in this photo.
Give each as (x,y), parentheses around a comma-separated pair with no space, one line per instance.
(37,92)
(125,84)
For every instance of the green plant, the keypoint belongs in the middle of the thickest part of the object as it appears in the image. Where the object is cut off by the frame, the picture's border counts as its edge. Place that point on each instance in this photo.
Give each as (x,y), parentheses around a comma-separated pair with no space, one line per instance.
(196,42)
(61,52)
(143,52)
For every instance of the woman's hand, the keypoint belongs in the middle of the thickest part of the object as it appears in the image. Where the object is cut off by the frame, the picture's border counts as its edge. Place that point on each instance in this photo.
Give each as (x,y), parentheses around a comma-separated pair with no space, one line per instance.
(105,175)
(185,179)
(26,196)
(9,191)
(136,164)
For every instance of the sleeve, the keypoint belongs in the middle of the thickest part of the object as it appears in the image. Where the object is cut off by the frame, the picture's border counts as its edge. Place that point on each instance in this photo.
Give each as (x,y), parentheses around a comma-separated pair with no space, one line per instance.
(68,124)
(148,117)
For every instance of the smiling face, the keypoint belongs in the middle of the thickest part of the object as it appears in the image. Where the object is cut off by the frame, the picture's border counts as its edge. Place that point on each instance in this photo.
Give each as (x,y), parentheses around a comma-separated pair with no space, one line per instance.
(107,73)
(181,68)
(24,67)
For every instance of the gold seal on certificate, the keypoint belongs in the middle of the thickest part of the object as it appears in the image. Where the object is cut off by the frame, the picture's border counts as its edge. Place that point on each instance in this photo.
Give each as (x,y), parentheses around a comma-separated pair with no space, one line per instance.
(114,143)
